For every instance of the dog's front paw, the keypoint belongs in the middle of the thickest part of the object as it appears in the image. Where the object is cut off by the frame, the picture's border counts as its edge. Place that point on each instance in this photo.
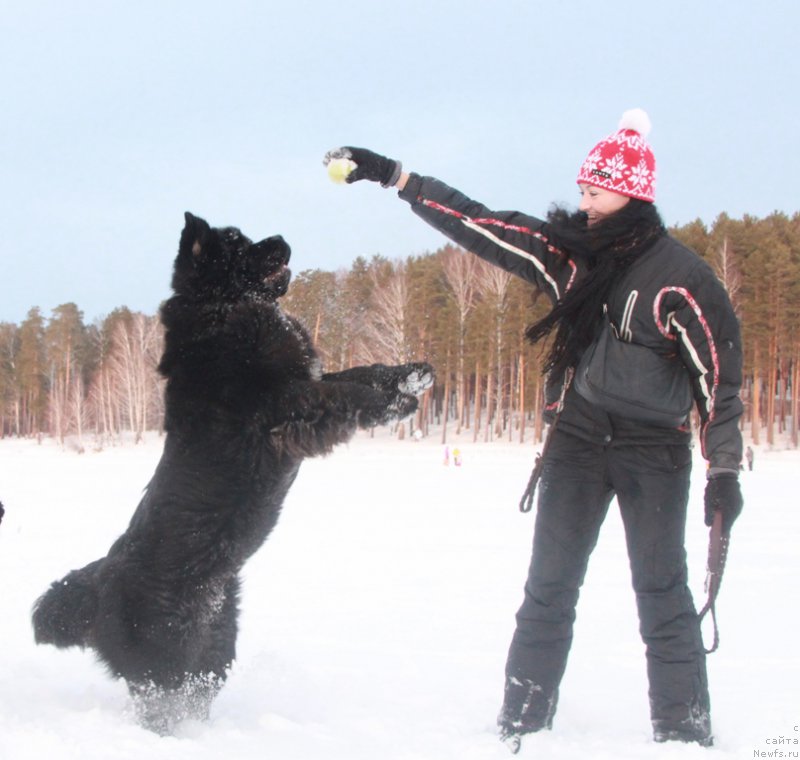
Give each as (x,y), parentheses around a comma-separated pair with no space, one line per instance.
(403,406)
(394,406)
(418,378)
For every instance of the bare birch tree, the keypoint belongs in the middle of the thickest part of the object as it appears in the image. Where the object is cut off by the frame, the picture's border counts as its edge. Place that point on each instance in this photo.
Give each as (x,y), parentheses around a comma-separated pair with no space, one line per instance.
(727,269)
(136,346)
(459,269)
(386,335)
(493,284)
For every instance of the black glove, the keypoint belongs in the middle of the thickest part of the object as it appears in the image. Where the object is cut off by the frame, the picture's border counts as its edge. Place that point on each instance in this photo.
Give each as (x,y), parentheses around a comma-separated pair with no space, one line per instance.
(723,494)
(369,165)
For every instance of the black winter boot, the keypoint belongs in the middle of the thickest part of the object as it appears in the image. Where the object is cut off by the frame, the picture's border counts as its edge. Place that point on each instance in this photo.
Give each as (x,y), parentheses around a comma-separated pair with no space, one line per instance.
(696,728)
(526,709)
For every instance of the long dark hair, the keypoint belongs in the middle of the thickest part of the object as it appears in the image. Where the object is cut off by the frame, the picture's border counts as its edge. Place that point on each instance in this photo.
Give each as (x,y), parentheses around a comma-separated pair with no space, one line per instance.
(607,248)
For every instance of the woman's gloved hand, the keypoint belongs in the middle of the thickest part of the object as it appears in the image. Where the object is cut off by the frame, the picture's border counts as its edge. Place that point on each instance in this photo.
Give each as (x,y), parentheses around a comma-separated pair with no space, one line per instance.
(723,494)
(368,165)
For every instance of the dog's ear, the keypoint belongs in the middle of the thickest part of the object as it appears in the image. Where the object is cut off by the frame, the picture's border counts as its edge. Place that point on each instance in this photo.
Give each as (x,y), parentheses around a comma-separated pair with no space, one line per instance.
(194,236)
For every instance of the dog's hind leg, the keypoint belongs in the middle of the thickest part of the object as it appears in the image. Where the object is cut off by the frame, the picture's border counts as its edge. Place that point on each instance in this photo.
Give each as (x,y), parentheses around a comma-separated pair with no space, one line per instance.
(189,670)
(220,649)
(161,709)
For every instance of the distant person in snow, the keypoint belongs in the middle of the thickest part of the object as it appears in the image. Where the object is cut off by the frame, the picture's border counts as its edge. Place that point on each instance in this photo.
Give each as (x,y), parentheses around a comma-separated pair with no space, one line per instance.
(642,331)
(749,456)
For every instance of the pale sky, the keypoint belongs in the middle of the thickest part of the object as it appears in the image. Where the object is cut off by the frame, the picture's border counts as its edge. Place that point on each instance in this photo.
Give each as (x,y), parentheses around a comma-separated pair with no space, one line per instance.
(116,117)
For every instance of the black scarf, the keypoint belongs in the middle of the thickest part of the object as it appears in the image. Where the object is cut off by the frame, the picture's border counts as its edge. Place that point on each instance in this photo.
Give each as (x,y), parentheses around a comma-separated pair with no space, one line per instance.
(608,247)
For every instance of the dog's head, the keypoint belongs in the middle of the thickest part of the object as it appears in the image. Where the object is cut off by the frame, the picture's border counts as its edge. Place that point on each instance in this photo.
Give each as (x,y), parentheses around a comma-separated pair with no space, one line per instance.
(222,265)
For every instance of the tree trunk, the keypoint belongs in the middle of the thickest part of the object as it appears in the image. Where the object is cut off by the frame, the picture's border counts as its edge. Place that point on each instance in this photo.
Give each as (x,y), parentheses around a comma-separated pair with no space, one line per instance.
(490,404)
(478,399)
(795,405)
(772,386)
(538,420)
(446,401)
(755,409)
(521,397)
(460,386)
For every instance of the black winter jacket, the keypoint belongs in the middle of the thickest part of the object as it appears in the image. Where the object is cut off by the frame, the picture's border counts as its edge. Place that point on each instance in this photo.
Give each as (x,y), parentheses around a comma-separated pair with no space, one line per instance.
(669,300)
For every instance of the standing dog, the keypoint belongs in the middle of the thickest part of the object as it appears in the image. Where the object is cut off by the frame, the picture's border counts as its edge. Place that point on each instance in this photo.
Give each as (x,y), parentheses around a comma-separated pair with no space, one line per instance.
(246,402)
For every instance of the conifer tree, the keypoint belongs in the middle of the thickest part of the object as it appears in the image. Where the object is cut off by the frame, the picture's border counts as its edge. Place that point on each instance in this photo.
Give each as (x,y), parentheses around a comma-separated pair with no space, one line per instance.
(66,350)
(459,269)
(9,409)
(420,308)
(31,374)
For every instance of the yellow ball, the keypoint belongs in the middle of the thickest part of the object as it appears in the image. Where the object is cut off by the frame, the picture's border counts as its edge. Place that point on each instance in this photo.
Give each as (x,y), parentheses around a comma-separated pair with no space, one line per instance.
(340,168)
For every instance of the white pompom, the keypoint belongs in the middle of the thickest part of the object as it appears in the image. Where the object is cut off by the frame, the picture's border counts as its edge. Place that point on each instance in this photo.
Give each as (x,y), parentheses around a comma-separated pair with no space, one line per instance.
(637,120)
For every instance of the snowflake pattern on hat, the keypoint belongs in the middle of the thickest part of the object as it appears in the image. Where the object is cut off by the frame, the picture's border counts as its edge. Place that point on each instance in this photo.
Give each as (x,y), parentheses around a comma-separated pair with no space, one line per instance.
(623,162)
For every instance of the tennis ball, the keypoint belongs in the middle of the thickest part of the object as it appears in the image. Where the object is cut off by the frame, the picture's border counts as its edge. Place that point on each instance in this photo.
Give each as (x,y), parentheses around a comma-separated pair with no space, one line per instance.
(340,168)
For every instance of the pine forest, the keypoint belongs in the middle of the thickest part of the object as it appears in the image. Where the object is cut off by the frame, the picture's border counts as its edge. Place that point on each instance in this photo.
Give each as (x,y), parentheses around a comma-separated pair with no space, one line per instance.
(89,384)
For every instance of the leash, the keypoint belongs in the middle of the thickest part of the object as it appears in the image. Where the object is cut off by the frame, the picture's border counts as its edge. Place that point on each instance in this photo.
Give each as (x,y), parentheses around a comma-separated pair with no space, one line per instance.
(526,502)
(717,555)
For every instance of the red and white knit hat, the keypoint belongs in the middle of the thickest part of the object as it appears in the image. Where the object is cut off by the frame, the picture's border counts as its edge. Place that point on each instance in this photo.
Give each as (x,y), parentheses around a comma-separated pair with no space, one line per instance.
(624,163)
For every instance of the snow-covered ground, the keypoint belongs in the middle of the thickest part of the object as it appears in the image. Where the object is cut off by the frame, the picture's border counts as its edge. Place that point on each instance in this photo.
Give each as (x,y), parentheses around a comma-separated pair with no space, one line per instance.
(375,620)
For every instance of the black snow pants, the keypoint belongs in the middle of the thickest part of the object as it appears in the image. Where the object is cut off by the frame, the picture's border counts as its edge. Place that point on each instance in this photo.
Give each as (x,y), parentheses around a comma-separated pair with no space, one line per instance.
(578,482)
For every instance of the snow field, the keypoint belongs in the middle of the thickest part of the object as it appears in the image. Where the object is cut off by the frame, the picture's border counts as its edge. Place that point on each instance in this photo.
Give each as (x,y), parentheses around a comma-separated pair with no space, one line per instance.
(376,618)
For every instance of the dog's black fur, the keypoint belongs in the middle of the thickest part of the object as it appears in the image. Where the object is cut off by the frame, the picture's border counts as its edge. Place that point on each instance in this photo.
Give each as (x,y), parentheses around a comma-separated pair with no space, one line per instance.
(245,403)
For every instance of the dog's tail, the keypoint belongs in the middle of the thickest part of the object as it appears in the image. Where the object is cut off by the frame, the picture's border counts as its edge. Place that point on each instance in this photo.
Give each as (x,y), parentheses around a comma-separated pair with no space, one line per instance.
(65,614)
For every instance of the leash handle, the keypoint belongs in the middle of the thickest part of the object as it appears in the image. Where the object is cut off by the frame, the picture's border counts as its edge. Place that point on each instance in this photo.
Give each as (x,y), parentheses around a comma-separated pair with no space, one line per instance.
(715,642)
(526,502)
(717,556)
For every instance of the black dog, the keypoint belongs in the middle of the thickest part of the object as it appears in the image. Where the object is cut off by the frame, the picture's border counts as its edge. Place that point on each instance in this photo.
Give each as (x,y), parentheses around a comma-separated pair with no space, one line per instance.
(246,401)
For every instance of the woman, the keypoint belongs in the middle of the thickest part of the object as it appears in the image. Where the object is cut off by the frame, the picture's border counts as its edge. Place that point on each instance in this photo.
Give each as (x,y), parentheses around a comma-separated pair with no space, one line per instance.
(642,329)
